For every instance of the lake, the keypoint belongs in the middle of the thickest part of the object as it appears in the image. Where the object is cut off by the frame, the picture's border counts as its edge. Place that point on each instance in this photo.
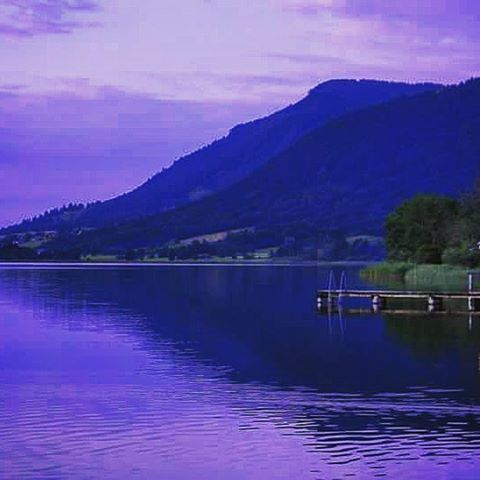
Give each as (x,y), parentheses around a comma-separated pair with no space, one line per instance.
(227,372)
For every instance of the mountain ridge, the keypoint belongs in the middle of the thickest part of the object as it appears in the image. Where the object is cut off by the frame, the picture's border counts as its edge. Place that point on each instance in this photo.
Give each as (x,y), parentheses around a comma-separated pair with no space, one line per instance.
(230,159)
(348,174)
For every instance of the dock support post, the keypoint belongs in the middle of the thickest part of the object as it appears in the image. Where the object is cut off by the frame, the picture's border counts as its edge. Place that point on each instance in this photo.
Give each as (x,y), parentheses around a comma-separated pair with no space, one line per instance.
(434,303)
(378,302)
(320,301)
(325,300)
(473,304)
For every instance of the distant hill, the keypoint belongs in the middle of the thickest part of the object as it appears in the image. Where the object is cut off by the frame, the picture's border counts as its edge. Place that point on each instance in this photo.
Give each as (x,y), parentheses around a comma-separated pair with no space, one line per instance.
(348,174)
(226,161)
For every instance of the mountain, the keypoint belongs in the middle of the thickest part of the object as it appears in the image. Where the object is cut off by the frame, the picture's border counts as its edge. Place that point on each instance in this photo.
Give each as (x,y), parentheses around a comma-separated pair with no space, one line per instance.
(230,159)
(346,175)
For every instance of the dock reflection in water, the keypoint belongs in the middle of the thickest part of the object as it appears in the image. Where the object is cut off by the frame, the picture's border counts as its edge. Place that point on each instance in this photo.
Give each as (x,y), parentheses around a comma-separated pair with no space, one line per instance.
(227,372)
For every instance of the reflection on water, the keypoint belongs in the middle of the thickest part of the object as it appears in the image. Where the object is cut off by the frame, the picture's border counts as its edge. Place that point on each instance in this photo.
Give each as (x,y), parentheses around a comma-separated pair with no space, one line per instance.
(227,372)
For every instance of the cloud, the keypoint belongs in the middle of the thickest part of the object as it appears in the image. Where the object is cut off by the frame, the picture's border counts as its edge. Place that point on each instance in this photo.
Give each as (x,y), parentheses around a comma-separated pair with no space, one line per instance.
(252,79)
(391,8)
(438,20)
(274,87)
(93,142)
(312,59)
(28,18)
(10,90)
(310,7)
(396,39)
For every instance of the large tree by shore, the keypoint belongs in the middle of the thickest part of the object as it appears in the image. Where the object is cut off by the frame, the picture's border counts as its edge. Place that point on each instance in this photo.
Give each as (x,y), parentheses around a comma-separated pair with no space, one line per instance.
(417,231)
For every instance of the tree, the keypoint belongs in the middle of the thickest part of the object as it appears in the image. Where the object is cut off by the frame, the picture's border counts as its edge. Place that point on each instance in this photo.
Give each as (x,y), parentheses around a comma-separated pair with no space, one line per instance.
(465,236)
(130,255)
(470,215)
(11,251)
(418,230)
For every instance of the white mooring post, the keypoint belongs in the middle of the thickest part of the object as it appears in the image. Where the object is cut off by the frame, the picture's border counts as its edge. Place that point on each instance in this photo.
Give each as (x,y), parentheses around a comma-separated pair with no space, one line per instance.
(378,302)
(434,303)
(473,302)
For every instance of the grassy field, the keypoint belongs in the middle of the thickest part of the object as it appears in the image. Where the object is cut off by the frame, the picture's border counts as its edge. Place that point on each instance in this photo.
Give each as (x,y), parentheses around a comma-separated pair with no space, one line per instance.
(99,258)
(431,277)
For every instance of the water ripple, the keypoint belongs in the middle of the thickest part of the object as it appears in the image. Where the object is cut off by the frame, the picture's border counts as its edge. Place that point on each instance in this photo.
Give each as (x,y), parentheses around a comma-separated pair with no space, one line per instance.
(89,389)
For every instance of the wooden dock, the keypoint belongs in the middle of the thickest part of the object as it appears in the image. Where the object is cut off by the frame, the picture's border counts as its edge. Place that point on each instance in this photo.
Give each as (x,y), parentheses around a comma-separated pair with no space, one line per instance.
(380,299)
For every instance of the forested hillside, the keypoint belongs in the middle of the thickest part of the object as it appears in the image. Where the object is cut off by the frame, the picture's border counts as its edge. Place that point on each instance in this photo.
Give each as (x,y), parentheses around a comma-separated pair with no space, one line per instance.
(345,176)
(230,159)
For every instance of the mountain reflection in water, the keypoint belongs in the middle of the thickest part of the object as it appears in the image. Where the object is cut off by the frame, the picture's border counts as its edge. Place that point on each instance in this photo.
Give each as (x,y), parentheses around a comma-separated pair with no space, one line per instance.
(227,372)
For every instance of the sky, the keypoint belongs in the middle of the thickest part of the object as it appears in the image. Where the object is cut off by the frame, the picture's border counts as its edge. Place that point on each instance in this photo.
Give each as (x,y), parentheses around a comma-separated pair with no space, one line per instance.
(98,95)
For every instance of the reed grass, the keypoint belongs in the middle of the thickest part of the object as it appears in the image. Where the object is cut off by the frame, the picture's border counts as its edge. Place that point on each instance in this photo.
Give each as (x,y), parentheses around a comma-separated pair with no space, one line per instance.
(437,277)
(414,276)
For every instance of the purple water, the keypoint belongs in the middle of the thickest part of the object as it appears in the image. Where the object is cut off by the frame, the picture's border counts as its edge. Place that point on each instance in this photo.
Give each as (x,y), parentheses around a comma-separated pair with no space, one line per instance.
(223,372)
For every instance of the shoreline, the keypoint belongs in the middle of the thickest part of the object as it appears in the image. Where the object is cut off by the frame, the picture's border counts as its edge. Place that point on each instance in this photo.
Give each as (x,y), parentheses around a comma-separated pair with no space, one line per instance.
(248,263)
(442,276)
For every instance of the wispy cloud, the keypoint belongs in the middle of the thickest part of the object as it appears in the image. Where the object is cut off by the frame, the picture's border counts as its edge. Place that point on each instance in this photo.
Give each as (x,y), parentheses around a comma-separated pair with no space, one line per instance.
(309,7)
(273,88)
(391,8)
(311,59)
(90,142)
(28,18)
(11,88)
(428,39)
(444,22)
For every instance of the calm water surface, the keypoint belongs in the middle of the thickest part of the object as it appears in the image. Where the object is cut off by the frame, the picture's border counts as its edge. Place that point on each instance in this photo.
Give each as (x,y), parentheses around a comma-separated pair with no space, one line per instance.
(223,372)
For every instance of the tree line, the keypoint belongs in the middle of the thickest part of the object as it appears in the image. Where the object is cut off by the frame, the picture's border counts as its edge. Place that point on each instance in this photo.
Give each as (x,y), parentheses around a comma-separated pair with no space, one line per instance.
(436,229)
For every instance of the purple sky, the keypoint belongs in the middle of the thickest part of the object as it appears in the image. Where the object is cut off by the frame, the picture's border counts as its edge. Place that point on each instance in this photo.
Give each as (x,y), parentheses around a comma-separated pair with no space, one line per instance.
(96,96)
